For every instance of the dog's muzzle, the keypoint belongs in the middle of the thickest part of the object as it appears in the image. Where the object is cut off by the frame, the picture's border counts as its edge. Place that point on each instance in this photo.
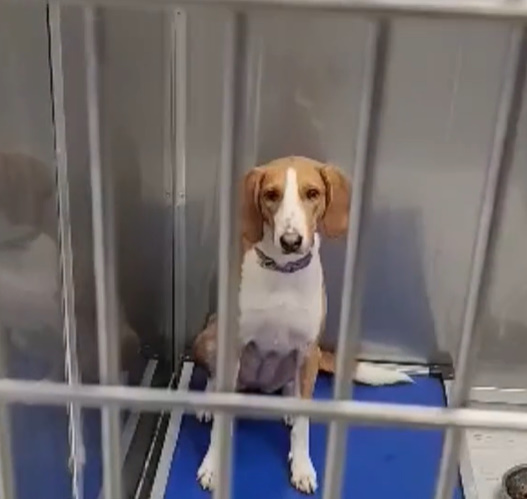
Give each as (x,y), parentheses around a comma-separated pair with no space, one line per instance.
(291,242)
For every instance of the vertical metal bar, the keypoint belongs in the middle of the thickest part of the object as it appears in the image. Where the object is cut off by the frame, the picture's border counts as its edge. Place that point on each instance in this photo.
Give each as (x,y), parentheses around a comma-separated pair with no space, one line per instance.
(509,108)
(7,482)
(105,269)
(77,451)
(180,106)
(229,238)
(168,182)
(360,208)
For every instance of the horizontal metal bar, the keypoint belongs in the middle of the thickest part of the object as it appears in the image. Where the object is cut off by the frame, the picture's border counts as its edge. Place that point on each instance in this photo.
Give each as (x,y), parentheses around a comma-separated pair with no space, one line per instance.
(261,406)
(497,395)
(504,10)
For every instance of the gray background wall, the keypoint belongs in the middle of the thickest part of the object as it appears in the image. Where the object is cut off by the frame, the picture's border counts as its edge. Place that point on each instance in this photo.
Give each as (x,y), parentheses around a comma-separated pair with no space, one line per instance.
(442,88)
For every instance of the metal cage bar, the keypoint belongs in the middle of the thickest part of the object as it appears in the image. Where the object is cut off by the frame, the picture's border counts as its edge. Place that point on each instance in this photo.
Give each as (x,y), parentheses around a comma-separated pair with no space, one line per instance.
(180,103)
(7,477)
(170,303)
(229,240)
(77,451)
(7,483)
(354,266)
(500,158)
(474,9)
(105,270)
(260,406)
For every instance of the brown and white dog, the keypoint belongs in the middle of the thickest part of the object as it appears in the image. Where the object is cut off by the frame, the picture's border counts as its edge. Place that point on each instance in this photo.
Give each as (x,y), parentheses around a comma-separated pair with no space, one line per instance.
(285,205)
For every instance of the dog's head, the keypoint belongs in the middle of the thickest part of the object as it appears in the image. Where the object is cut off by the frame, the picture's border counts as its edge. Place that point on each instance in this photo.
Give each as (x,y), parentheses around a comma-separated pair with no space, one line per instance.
(292,198)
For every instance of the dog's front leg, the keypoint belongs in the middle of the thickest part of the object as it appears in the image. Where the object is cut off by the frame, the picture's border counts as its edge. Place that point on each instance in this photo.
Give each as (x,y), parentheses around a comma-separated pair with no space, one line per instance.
(303,474)
(208,469)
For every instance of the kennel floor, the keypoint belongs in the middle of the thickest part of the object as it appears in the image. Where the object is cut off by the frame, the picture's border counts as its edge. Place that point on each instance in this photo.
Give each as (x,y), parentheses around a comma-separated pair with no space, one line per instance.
(40,446)
(399,463)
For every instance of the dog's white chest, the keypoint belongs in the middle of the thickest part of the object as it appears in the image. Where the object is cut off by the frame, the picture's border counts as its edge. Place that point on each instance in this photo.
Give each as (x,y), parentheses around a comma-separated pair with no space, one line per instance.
(280,312)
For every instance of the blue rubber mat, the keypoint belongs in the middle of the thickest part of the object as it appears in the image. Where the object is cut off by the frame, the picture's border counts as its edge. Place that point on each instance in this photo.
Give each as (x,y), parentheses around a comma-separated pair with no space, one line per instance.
(382,462)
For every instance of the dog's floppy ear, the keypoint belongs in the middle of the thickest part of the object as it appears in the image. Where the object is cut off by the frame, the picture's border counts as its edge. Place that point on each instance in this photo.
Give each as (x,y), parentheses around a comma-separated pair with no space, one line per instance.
(334,223)
(252,220)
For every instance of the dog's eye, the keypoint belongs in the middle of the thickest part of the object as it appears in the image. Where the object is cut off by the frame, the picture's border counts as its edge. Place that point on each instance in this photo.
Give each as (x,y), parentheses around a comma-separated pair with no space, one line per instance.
(312,194)
(272,195)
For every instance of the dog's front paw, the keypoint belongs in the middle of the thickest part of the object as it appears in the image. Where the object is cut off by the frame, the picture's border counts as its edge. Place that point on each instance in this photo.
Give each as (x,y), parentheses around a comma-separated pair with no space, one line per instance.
(204,416)
(207,472)
(303,474)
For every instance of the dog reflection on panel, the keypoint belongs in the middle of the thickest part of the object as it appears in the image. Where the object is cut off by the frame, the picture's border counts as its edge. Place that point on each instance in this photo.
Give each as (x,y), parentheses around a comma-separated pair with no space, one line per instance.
(286,206)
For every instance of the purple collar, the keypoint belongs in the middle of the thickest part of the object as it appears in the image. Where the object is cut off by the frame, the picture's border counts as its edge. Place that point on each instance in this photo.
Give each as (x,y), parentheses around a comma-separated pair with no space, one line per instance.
(268,263)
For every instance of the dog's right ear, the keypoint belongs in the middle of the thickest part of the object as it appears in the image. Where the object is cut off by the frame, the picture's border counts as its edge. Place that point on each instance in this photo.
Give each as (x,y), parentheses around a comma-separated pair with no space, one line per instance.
(252,220)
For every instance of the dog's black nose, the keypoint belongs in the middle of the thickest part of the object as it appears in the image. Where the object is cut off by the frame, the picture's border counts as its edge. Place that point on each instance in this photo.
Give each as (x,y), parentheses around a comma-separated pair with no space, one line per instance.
(291,242)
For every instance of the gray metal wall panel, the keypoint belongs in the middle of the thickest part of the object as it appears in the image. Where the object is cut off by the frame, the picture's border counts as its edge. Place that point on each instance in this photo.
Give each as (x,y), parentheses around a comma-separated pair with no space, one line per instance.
(30,316)
(442,88)
(434,151)
(29,292)
(206,30)
(132,63)
(501,362)
(443,83)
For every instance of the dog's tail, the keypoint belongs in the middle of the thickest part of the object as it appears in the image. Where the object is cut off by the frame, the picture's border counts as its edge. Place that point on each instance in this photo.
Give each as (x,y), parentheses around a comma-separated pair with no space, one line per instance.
(366,373)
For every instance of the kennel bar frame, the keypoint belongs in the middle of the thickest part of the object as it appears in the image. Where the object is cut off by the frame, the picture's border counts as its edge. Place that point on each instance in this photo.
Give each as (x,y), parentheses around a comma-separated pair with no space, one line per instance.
(104,248)
(111,399)
(354,267)
(508,10)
